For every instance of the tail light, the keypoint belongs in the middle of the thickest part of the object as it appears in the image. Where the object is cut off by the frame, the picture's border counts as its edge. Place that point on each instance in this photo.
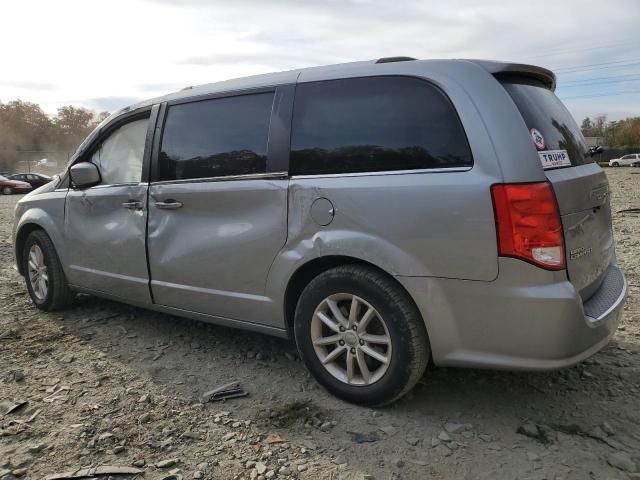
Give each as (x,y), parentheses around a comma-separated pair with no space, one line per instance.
(528,223)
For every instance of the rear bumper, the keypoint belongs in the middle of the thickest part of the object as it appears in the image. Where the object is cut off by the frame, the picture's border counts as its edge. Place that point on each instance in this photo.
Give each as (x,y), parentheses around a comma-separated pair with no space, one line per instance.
(527,319)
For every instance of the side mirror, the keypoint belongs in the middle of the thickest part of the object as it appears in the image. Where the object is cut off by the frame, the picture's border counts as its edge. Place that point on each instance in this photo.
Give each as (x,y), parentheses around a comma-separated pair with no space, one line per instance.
(84,174)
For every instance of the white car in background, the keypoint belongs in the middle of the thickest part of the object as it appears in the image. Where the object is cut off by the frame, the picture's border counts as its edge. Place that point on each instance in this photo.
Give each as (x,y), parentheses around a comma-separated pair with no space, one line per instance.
(625,161)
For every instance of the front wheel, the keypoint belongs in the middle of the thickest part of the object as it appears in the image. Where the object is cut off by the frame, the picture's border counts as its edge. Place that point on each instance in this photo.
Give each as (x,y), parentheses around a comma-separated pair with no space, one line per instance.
(615,164)
(361,335)
(7,191)
(43,273)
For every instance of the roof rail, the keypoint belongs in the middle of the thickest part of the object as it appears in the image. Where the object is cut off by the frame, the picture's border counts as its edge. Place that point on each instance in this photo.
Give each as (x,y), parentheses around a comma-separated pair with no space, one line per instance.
(394,59)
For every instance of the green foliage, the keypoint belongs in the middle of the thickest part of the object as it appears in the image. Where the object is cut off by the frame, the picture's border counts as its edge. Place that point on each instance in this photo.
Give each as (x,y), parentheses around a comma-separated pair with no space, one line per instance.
(25,127)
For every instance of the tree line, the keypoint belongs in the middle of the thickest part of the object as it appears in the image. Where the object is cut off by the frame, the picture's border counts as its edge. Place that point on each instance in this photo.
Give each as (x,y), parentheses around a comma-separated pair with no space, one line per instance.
(26,130)
(615,134)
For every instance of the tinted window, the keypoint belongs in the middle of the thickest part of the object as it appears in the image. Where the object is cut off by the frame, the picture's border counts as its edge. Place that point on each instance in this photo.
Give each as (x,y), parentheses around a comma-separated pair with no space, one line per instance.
(542,109)
(214,138)
(119,157)
(374,124)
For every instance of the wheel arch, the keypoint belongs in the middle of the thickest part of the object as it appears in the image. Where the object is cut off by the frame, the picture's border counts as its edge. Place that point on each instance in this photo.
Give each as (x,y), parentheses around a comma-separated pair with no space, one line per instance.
(21,237)
(314,267)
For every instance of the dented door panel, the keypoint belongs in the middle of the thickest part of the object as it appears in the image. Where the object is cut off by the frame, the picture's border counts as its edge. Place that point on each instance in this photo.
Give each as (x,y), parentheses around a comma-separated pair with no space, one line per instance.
(212,254)
(105,240)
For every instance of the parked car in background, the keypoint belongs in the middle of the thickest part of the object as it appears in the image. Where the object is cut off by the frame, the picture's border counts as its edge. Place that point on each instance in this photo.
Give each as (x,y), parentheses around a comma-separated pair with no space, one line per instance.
(625,161)
(34,179)
(8,186)
(384,214)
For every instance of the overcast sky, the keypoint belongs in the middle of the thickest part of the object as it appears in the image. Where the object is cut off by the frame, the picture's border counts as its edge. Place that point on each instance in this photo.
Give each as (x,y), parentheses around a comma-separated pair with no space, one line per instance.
(105,55)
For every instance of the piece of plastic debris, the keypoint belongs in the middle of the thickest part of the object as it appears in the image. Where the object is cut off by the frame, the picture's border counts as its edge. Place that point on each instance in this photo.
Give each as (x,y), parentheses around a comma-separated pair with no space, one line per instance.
(93,471)
(230,390)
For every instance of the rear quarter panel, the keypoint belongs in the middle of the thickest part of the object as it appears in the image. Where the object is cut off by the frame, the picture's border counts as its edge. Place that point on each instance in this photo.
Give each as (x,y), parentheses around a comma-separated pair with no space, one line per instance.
(421,224)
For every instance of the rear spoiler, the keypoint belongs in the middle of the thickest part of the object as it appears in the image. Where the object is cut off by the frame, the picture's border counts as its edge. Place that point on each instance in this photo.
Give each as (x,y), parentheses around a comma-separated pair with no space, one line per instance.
(506,69)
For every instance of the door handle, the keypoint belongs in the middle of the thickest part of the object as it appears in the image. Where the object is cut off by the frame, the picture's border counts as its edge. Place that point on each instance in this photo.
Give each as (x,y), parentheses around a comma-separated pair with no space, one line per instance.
(169,204)
(132,205)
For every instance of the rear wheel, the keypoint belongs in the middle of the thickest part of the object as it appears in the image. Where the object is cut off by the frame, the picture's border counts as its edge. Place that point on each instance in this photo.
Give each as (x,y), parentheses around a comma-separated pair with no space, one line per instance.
(7,190)
(43,273)
(361,335)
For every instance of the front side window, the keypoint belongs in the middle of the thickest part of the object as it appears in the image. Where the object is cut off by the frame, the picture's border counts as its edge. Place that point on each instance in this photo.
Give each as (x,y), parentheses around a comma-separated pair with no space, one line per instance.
(375,124)
(119,157)
(216,138)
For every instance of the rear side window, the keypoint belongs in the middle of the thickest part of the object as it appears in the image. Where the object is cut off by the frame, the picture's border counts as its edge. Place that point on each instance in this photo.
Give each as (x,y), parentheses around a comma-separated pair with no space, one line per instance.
(374,124)
(216,138)
(542,109)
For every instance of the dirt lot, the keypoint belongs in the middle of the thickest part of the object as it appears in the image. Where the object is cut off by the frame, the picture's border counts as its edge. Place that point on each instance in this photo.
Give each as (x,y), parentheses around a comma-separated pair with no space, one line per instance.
(108,384)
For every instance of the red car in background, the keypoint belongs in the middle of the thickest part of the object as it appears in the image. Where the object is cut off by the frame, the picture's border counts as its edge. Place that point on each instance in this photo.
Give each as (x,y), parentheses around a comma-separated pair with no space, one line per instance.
(7,187)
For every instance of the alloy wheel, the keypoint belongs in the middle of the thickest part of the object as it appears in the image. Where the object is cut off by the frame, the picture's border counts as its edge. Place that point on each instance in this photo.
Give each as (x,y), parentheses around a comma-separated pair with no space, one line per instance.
(38,276)
(351,339)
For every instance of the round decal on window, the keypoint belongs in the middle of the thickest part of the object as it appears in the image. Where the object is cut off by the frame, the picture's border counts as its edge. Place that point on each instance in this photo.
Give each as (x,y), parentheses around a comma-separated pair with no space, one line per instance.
(538,139)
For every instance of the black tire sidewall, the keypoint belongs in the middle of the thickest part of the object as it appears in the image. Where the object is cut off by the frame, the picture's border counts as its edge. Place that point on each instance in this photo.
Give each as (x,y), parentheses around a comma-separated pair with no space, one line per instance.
(31,240)
(395,317)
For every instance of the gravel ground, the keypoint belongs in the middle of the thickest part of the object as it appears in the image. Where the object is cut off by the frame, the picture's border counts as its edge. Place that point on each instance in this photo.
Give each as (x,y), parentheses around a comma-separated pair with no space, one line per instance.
(108,384)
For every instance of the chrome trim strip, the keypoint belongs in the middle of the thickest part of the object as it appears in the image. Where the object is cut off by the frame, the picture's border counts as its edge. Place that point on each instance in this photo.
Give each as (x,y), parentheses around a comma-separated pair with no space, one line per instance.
(594,322)
(251,176)
(386,172)
(211,291)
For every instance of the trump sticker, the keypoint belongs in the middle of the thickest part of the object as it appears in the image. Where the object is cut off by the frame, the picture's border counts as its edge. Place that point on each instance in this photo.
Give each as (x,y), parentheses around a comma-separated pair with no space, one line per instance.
(554,158)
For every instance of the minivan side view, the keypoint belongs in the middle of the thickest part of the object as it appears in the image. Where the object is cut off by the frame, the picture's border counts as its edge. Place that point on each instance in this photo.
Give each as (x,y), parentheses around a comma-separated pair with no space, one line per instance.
(383,214)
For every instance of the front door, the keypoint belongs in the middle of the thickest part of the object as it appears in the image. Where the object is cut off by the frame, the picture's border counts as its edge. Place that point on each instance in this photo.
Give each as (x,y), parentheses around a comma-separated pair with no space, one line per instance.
(217,216)
(105,224)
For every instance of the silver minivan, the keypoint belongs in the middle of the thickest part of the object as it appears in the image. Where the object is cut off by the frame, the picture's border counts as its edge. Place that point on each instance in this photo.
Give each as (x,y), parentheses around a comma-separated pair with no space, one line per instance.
(384,214)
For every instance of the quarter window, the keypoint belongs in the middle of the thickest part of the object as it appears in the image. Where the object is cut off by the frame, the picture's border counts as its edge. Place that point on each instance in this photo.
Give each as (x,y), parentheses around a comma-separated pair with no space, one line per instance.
(216,138)
(119,157)
(375,124)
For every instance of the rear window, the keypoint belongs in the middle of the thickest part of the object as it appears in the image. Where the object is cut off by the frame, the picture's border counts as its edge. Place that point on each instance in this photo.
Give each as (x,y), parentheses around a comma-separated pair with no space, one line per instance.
(542,110)
(375,124)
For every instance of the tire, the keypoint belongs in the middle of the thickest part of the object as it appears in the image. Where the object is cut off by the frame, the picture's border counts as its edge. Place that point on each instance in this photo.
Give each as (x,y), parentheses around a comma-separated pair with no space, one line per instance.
(7,191)
(58,295)
(396,317)
(615,164)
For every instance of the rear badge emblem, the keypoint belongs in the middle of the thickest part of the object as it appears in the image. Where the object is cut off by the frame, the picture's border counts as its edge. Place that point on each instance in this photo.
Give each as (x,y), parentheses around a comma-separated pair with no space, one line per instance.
(538,139)
(577,253)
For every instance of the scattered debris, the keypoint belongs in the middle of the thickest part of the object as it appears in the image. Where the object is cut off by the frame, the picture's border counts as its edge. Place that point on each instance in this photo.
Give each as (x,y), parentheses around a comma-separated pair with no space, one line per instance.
(273,439)
(9,406)
(452,427)
(170,462)
(225,392)
(93,471)
(6,334)
(532,430)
